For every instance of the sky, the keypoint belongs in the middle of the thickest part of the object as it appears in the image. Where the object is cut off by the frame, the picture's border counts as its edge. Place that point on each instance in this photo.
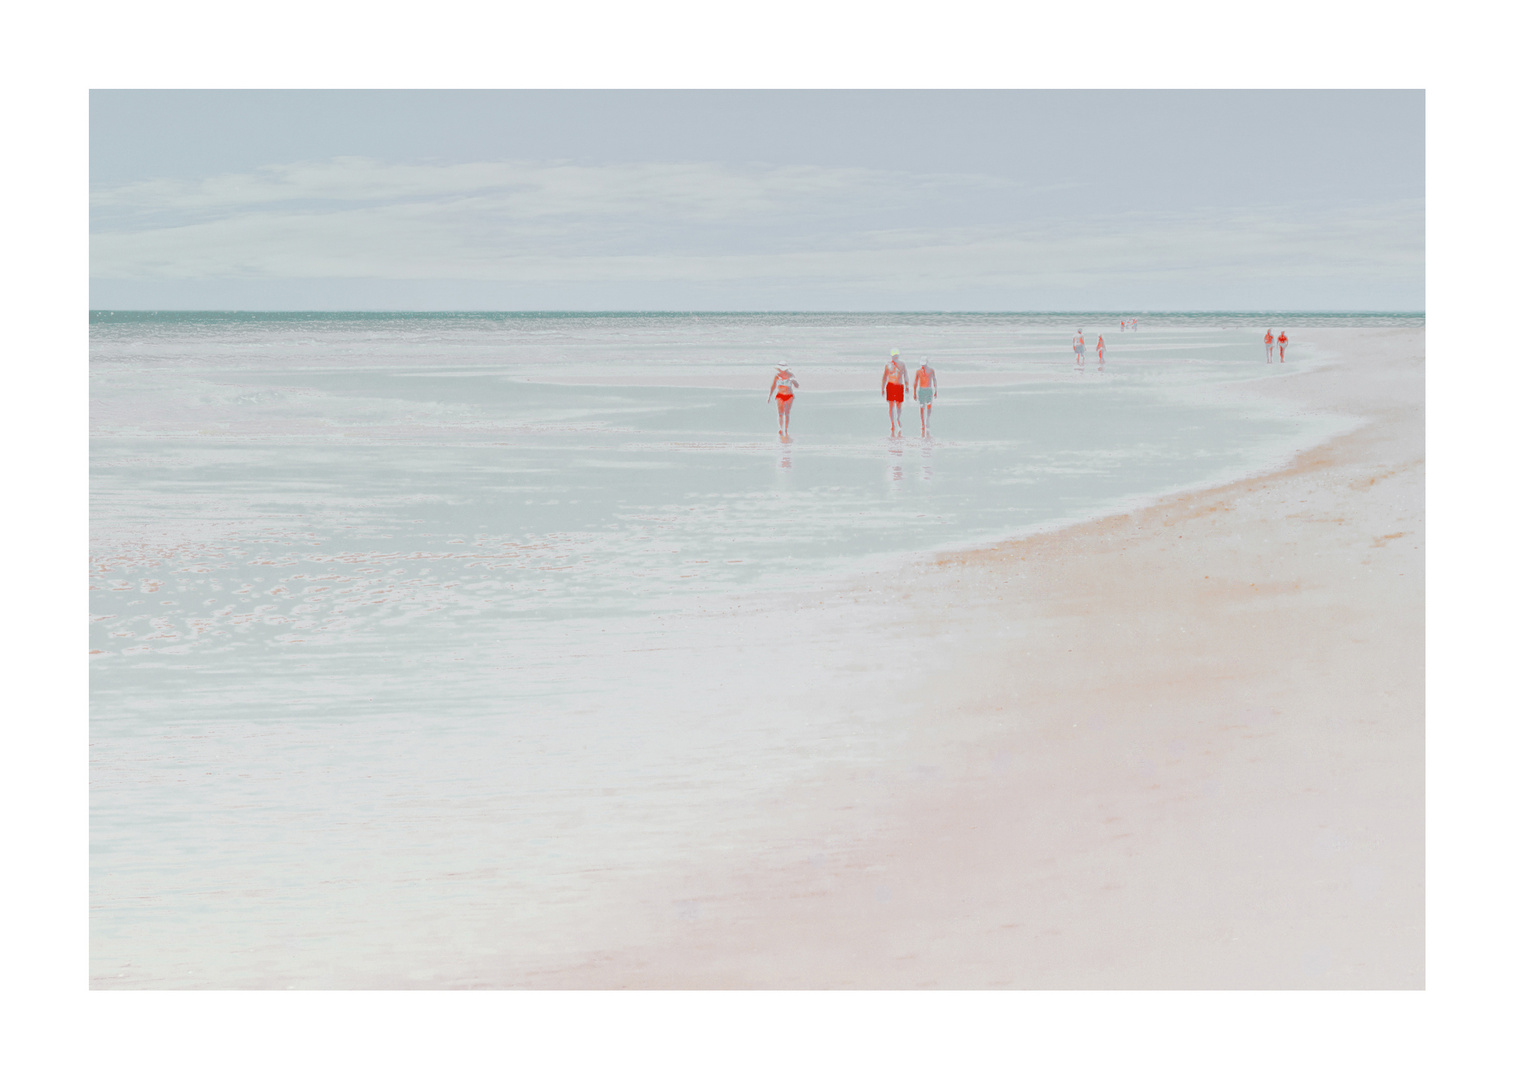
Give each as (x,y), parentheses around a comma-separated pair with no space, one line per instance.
(758,200)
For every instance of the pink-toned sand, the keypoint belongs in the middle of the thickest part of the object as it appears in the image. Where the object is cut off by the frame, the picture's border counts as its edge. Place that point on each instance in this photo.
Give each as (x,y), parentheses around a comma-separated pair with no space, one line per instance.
(1182,747)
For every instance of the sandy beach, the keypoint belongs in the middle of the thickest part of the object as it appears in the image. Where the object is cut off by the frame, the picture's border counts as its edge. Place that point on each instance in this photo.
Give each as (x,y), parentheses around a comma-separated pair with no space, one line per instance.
(1177,748)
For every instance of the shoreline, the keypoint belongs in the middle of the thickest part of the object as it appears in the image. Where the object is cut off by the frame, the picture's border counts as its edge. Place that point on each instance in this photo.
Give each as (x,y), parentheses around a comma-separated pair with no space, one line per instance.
(1135,768)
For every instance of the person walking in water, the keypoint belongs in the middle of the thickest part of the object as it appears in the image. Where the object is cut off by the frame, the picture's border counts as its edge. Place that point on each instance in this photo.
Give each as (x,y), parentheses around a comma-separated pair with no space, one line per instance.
(1100,349)
(783,387)
(925,393)
(893,389)
(1283,339)
(1268,341)
(1078,347)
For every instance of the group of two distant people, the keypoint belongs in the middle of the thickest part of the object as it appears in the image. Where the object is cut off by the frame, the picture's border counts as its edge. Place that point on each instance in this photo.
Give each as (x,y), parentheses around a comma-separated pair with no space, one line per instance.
(1078,344)
(1078,347)
(892,387)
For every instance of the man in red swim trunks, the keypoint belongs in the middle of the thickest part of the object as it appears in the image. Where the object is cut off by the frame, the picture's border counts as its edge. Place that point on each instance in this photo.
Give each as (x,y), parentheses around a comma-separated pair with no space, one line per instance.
(1268,341)
(893,389)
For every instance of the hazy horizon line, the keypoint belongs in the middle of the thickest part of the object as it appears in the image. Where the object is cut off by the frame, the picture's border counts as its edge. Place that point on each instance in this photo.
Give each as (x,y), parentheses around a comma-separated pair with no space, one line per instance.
(753,311)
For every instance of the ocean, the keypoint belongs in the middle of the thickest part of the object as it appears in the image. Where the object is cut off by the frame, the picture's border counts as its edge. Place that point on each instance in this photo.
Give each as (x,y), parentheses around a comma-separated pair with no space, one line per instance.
(420,640)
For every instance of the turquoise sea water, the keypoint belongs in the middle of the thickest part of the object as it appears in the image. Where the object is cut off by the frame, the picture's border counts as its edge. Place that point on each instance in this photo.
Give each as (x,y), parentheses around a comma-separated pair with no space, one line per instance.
(555,466)
(383,605)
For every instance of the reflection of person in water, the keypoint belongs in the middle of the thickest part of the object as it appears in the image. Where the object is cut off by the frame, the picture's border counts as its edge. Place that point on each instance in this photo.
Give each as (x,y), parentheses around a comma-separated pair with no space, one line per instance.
(783,387)
(925,393)
(893,389)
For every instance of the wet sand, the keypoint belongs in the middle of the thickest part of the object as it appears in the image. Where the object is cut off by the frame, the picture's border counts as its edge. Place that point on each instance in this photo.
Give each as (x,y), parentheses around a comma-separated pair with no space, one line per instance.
(1182,747)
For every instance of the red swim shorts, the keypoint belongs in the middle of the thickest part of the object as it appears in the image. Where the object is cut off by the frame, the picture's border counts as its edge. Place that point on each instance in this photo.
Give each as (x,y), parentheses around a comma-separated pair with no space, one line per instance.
(784,397)
(894,391)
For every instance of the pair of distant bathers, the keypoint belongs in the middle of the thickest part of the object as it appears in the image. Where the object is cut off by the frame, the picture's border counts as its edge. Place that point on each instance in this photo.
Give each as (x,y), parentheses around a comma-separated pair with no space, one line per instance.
(894,391)
(924,395)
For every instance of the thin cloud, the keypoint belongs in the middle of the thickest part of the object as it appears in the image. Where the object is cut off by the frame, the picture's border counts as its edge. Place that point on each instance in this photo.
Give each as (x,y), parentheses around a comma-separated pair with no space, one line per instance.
(421,241)
(700,224)
(703,191)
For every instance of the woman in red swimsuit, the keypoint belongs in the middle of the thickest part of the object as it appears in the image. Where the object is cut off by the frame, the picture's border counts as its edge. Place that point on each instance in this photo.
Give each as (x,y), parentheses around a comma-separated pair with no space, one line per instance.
(1283,339)
(783,387)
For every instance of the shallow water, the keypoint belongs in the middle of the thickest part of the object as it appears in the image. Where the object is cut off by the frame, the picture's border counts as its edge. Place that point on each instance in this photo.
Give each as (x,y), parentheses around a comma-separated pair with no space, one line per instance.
(420,637)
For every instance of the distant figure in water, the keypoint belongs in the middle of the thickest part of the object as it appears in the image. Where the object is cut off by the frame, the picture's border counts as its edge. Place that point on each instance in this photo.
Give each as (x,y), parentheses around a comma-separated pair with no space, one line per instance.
(1283,339)
(893,389)
(1123,326)
(785,384)
(925,393)
(1078,347)
(1268,341)
(1100,348)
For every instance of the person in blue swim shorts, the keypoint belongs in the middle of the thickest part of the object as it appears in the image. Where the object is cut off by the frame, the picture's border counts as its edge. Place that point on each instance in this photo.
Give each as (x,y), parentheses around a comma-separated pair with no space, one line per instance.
(925,393)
